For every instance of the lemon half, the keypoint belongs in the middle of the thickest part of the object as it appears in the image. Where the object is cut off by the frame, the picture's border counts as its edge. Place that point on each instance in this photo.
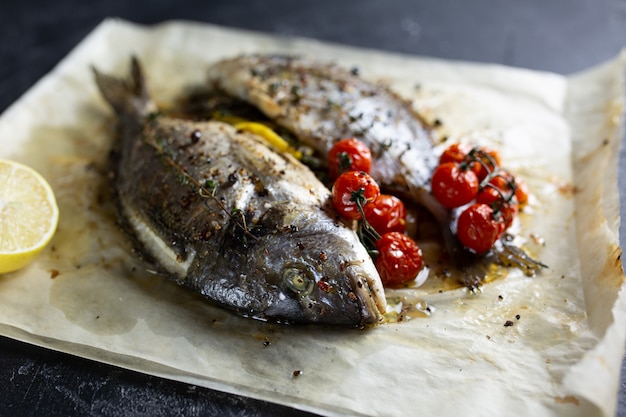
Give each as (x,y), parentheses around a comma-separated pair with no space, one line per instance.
(28,215)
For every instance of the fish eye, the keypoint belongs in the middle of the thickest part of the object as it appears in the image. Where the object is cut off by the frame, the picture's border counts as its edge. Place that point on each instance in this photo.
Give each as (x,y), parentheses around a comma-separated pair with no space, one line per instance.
(299,279)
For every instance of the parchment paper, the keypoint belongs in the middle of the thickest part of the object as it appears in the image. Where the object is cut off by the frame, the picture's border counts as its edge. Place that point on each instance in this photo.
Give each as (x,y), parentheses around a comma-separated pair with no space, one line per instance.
(86,294)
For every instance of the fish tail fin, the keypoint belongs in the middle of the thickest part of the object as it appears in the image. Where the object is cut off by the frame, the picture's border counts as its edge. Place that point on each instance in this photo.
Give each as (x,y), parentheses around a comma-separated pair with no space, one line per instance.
(126,96)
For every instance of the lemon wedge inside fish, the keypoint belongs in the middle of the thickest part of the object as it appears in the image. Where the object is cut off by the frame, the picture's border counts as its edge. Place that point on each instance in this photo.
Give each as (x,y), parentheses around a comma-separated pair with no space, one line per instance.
(28,215)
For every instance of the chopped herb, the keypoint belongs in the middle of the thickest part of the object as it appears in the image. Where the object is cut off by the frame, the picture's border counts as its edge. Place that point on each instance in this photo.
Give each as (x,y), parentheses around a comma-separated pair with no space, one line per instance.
(295,91)
(354,118)
(273,88)
(345,162)
(211,186)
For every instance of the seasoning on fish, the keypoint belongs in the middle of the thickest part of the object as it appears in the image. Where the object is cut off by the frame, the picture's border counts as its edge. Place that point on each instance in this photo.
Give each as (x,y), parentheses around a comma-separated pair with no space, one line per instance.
(218,211)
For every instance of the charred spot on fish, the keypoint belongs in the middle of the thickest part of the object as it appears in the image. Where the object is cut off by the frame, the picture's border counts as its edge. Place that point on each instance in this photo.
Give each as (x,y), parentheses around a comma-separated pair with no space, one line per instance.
(298,278)
(260,74)
(304,79)
(153,116)
(273,88)
(188,199)
(330,105)
(195,136)
(295,94)
(203,235)
(232,179)
(259,187)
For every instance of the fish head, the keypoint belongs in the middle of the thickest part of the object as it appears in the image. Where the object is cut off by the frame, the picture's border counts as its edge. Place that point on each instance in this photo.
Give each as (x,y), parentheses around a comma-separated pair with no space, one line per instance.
(321,272)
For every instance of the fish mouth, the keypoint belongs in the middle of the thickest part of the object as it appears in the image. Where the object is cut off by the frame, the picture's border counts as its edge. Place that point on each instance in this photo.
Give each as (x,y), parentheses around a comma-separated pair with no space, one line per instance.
(369,291)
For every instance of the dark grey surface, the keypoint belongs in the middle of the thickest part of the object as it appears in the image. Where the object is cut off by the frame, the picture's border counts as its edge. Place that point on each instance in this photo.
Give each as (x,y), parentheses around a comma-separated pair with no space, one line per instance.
(562,36)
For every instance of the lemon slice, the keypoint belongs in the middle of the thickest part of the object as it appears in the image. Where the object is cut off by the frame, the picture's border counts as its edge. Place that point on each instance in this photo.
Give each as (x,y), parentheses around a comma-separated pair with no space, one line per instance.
(28,215)
(269,135)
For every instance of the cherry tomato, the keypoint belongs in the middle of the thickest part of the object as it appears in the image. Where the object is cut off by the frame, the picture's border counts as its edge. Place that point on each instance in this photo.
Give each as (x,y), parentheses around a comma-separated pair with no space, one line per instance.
(457,152)
(521,191)
(507,213)
(506,182)
(505,208)
(490,196)
(399,260)
(489,159)
(386,214)
(351,190)
(349,155)
(503,181)
(454,186)
(477,228)
(465,153)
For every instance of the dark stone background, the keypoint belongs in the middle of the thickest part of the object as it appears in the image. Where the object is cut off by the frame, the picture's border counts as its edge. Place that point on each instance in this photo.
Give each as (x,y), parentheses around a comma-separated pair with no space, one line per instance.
(562,36)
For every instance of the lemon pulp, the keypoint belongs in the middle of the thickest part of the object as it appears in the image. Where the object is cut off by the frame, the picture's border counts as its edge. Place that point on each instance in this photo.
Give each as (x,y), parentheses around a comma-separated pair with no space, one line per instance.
(28,215)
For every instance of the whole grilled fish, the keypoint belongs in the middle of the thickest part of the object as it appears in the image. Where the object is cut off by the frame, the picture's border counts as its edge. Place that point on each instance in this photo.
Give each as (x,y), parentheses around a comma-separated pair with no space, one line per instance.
(219,212)
(322,103)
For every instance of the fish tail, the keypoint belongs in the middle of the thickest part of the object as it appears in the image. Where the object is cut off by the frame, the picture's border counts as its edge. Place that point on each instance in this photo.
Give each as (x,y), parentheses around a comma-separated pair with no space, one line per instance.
(126,96)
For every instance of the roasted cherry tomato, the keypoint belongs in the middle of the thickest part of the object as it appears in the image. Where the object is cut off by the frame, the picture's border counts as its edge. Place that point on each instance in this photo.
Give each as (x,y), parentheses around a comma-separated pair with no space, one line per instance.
(386,214)
(521,191)
(349,155)
(491,196)
(457,152)
(482,160)
(399,260)
(503,181)
(485,161)
(504,210)
(478,229)
(508,184)
(351,190)
(507,213)
(454,186)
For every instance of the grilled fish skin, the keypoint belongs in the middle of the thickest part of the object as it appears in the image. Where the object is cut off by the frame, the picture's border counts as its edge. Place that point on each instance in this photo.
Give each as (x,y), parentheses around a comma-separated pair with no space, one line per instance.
(221,213)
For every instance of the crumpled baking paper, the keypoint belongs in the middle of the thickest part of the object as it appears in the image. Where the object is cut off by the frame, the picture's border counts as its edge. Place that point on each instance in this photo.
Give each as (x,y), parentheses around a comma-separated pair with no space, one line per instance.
(86,295)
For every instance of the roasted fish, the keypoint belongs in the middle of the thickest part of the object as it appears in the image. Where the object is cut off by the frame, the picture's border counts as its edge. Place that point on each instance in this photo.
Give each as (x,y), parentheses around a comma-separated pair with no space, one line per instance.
(322,103)
(220,212)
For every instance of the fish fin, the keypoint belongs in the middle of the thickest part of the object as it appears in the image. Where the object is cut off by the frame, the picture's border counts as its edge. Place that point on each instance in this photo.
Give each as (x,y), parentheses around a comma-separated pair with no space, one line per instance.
(510,255)
(126,96)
